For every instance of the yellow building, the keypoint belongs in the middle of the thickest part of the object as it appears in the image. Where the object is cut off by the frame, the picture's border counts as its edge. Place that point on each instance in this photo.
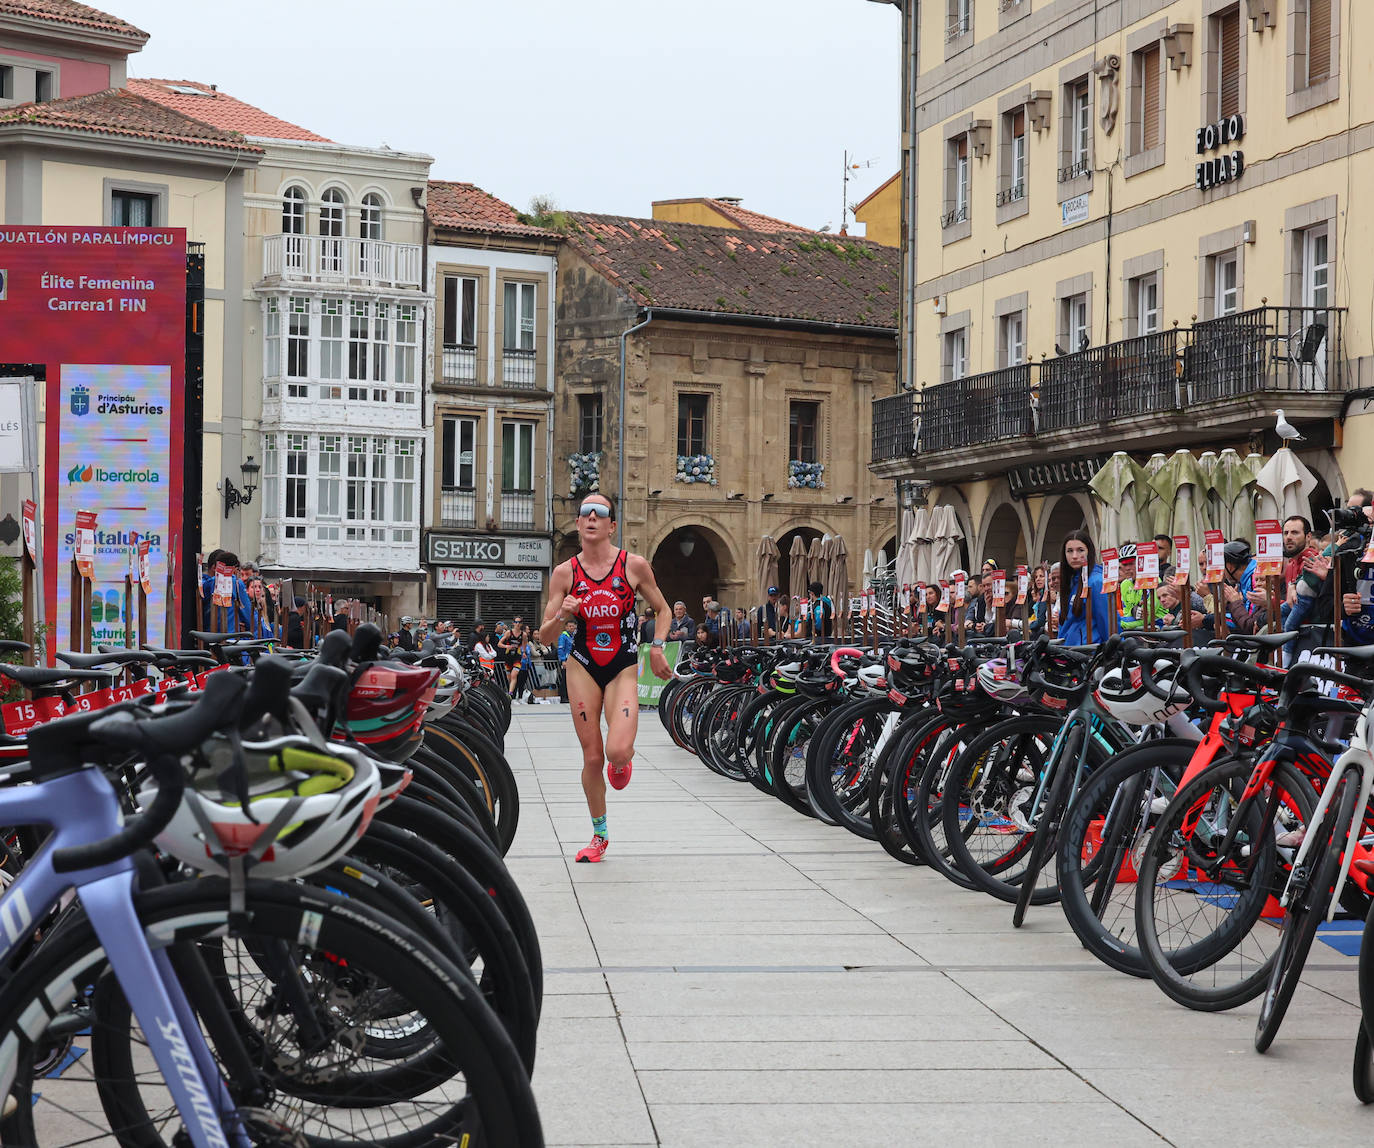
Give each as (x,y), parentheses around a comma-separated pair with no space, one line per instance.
(881,212)
(722,211)
(1132,230)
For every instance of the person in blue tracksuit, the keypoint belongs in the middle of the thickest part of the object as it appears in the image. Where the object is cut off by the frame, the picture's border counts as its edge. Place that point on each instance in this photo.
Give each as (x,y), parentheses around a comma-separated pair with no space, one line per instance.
(1078,560)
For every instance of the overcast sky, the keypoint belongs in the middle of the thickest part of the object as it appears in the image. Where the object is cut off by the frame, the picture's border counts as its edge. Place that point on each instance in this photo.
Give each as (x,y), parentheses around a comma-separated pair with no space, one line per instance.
(606,105)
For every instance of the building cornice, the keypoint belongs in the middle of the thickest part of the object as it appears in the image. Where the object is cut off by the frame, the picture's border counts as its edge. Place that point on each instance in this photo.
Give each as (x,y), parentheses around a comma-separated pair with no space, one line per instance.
(114,149)
(36,28)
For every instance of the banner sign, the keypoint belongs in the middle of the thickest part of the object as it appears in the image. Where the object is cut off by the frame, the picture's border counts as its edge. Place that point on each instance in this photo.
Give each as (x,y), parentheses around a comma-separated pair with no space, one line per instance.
(1147,566)
(1216,559)
(1268,548)
(1111,570)
(999,588)
(104,310)
(486,578)
(1183,559)
(84,549)
(29,513)
(13,434)
(1022,584)
(651,687)
(484,550)
(145,578)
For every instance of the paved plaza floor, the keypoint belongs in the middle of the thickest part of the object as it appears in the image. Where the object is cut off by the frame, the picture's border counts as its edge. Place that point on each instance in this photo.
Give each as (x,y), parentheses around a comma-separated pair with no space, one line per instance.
(736,974)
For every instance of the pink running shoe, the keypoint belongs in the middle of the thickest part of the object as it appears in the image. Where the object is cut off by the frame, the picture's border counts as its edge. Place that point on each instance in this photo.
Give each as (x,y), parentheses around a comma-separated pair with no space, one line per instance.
(595,851)
(619,778)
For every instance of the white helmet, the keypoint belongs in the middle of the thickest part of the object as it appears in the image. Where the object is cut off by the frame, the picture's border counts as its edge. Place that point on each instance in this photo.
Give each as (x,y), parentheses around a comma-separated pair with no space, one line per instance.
(309,803)
(1125,697)
(873,679)
(1000,685)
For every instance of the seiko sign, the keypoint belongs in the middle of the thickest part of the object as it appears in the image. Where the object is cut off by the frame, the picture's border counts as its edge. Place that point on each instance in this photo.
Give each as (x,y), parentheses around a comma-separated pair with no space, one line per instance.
(483,550)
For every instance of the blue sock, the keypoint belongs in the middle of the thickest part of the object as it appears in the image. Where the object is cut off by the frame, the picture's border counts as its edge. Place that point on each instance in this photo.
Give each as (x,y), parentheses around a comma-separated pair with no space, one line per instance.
(599,827)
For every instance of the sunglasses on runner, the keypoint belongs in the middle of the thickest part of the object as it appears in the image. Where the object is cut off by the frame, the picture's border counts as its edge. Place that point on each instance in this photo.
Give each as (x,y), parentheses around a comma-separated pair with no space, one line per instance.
(587,509)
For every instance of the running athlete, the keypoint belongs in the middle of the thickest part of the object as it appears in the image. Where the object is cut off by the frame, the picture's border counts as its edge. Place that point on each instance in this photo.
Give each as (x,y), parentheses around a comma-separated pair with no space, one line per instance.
(597,588)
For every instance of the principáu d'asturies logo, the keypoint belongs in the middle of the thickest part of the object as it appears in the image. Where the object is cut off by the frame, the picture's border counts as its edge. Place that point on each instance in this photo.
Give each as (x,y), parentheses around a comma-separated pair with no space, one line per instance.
(80,400)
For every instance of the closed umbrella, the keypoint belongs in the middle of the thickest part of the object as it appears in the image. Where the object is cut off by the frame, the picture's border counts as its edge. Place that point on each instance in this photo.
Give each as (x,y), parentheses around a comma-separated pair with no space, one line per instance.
(1284,484)
(945,535)
(1155,513)
(868,568)
(1189,496)
(1207,463)
(766,565)
(1114,488)
(837,574)
(921,550)
(815,562)
(1231,485)
(906,552)
(798,567)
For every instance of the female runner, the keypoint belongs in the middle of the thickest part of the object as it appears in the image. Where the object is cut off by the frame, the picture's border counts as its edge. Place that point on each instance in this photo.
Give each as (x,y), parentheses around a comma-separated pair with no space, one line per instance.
(597,588)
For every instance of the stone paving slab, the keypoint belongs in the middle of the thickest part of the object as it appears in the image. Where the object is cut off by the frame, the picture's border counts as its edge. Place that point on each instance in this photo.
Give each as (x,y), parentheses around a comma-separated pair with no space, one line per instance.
(735,973)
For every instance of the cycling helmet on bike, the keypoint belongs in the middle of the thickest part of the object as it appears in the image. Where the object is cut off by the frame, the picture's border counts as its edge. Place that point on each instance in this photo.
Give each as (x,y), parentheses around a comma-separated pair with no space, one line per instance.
(998,684)
(386,708)
(1123,695)
(1057,684)
(306,805)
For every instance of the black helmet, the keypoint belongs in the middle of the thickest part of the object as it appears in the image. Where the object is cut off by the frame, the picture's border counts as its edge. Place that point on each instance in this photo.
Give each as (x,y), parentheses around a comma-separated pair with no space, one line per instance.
(1236,552)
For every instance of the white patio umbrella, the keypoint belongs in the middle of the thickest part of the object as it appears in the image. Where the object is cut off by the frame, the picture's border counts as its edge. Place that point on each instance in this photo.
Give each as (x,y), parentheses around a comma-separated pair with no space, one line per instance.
(1181,484)
(1232,486)
(906,552)
(1284,484)
(945,534)
(921,549)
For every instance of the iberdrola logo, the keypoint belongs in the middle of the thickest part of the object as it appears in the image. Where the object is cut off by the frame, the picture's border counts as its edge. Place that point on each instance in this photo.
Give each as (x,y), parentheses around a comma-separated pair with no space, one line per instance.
(78,473)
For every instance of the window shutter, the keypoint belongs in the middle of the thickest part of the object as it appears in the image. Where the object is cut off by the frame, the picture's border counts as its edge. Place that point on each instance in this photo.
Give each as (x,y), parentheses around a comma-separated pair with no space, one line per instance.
(450,310)
(1149,92)
(1018,122)
(962,153)
(1229,56)
(1318,40)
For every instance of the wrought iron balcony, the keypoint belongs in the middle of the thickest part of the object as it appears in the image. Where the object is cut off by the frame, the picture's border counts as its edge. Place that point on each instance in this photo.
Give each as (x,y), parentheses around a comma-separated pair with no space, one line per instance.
(457,507)
(518,511)
(460,364)
(518,368)
(1166,389)
(340,259)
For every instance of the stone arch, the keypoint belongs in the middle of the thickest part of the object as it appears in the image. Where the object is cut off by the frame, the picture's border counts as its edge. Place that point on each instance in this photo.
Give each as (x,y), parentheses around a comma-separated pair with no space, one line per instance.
(1060,514)
(565,547)
(1006,532)
(690,577)
(732,564)
(1322,463)
(806,531)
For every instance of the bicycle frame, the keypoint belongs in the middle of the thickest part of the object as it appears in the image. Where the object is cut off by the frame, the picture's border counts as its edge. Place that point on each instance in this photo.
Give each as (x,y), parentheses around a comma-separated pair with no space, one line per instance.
(1356,755)
(80,808)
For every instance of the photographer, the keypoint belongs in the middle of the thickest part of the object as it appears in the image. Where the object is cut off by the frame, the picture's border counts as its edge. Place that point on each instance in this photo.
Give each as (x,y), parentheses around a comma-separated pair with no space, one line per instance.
(1357,594)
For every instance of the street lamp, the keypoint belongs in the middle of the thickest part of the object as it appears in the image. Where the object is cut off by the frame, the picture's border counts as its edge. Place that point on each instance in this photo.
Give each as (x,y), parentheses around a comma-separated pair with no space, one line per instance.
(233,496)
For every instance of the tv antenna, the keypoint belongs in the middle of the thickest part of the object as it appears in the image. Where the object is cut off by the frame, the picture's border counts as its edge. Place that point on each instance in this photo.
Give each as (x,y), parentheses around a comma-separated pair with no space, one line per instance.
(851,165)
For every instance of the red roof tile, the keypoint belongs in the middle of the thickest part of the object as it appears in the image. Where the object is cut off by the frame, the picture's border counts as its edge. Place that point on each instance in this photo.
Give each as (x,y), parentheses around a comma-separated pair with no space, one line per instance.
(118,112)
(220,110)
(466,207)
(69,12)
(786,275)
(753,220)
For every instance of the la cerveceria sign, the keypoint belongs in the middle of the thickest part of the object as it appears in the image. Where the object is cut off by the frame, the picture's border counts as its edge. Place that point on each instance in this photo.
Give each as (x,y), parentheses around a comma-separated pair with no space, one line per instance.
(1053,477)
(484,550)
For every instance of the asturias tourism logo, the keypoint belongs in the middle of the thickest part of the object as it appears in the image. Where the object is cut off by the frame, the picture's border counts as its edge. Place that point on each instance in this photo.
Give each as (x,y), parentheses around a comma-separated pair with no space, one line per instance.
(80,473)
(80,400)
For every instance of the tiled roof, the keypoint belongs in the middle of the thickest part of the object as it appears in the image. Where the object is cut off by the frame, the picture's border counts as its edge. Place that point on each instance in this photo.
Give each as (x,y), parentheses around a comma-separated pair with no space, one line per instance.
(220,110)
(118,112)
(788,275)
(69,12)
(753,220)
(466,207)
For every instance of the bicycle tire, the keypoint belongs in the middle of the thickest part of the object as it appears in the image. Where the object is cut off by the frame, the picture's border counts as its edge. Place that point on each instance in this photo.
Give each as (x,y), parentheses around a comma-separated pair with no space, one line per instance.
(790,743)
(865,721)
(1047,825)
(477,755)
(499,1106)
(885,796)
(1000,777)
(1245,975)
(1305,912)
(922,818)
(1108,930)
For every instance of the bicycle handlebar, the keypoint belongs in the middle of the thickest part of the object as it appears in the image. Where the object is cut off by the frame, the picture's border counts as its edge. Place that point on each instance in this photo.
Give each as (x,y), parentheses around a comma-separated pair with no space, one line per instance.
(164,739)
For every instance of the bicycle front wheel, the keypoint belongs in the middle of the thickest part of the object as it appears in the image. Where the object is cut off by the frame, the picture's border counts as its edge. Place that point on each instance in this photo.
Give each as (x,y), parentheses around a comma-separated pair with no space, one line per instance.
(366,986)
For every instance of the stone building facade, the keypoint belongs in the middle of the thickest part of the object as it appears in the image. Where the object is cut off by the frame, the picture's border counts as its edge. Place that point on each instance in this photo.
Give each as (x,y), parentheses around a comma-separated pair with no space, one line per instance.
(759,354)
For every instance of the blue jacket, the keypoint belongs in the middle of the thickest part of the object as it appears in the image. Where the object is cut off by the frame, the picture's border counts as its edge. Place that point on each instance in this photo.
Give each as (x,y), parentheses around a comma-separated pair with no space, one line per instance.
(236,618)
(565,645)
(1247,578)
(1074,629)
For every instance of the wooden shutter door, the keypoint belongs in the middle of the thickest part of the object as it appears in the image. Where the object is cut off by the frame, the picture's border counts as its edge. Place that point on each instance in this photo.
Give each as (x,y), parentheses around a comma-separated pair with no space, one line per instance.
(1149,93)
(1318,40)
(1228,56)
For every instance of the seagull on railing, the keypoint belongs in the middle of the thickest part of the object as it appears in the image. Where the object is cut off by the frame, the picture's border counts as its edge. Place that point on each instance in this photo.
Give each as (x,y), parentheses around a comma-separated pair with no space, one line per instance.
(1286,430)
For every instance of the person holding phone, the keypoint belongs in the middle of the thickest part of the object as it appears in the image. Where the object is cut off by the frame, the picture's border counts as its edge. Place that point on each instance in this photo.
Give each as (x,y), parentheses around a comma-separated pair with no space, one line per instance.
(597,588)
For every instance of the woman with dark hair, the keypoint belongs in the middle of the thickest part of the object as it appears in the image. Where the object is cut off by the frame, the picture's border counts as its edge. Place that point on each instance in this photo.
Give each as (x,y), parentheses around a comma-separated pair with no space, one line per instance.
(1078,560)
(705,639)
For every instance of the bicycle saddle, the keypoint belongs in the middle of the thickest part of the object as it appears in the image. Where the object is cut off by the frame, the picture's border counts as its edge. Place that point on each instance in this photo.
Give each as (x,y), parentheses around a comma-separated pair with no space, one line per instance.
(9,646)
(1353,653)
(212,639)
(106,658)
(33,676)
(203,657)
(1261,641)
